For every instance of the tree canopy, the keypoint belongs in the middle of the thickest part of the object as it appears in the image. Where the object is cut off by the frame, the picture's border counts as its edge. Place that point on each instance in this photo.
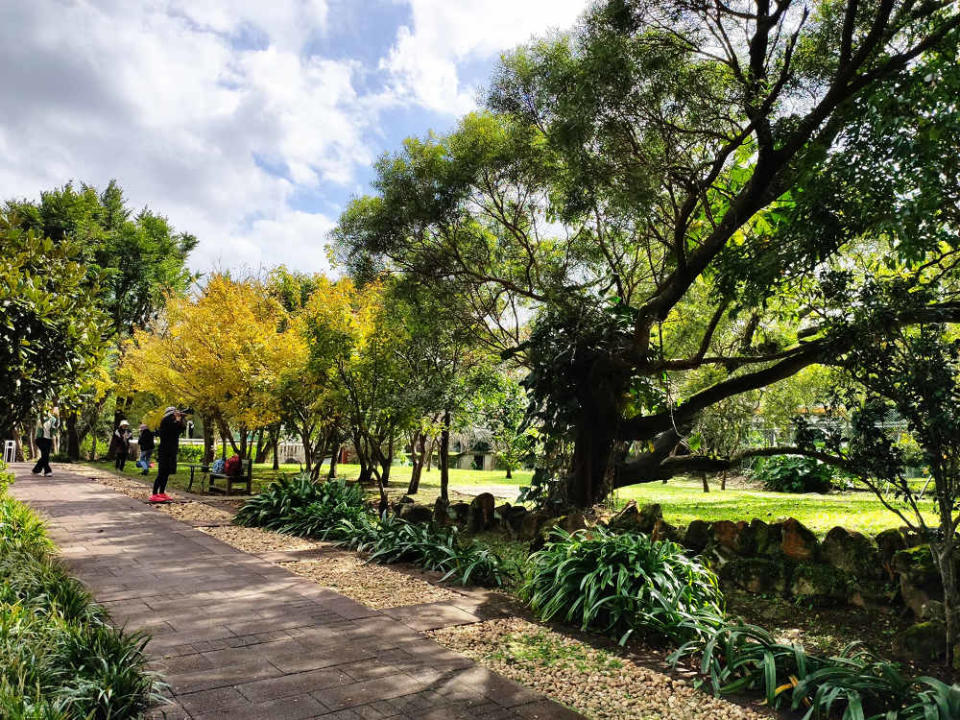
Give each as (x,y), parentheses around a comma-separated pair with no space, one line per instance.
(50,323)
(675,187)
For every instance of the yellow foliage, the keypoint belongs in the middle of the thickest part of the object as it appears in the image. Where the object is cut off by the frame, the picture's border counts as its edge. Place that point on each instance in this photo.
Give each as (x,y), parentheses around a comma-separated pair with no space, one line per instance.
(223,352)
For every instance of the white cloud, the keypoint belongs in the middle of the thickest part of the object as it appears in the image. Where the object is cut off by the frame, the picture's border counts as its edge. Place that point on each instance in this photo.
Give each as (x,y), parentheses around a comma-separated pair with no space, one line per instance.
(291,237)
(424,59)
(214,113)
(160,96)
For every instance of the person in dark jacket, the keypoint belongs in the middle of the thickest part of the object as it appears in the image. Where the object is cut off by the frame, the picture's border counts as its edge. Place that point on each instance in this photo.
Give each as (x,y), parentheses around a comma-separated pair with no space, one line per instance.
(120,444)
(145,445)
(169,431)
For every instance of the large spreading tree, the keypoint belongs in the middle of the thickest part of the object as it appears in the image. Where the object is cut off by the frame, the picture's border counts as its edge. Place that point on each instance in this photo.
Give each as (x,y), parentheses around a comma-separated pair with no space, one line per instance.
(673,188)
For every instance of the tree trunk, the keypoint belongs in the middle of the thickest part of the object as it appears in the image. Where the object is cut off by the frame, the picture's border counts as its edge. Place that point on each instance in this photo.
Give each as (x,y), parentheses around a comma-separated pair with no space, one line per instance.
(418,450)
(705,480)
(276,450)
(307,448)
(509,473)
(445,457)
(334,458)
(73,436)
(386,462)
(207,439)
(366,472)
(243,443)
(32,441)
(18,452)
(318,453)
(433,444)
(227,434)
(260,453)
(723,480)
(589,481)
(384,500)
(951,602)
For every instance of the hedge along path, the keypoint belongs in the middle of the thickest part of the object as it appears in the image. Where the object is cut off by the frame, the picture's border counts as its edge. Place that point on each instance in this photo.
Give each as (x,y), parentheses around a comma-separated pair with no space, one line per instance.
(237,637)
(602,684)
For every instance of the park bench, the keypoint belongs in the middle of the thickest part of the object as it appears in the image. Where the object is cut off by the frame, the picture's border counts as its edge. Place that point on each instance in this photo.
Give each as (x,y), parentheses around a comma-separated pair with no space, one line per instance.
(245,479)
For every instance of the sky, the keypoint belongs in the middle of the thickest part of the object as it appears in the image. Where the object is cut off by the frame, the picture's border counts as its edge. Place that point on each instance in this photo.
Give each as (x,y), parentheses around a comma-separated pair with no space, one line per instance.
(248,123)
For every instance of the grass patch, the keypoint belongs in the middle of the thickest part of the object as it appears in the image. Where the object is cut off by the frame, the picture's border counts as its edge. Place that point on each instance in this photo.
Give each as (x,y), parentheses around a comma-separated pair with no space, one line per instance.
(546,649)
(683,500)
(264,474)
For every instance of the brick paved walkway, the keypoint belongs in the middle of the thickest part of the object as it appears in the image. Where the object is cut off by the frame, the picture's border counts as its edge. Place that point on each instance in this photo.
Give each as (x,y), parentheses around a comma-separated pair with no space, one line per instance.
(240,638)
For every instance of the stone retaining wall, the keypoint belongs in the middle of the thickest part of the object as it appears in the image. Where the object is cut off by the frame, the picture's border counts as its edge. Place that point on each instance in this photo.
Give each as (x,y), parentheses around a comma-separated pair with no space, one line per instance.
(893,571)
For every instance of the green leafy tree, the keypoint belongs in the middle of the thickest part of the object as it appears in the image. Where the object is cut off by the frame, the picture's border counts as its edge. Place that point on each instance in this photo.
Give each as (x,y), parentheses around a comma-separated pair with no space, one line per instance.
(502,409)
(914,372)
(646,188)
(308,401)
(132,261)
(135,259)
(50,323)
(447,366)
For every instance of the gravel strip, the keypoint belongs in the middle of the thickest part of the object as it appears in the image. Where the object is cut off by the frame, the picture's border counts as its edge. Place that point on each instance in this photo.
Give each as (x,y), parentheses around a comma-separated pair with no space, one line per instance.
(596,683)
(191,511)
(196,512)
(124,485)
(376,586)
(253,540)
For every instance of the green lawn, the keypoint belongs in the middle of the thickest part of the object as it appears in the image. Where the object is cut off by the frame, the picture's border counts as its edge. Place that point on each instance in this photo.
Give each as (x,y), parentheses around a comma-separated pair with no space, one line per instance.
(682,500)
(399,475)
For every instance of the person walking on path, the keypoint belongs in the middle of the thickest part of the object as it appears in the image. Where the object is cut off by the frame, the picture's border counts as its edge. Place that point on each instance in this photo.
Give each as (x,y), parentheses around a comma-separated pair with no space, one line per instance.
(120,444)
(145,445)
(169,431)
(45,434)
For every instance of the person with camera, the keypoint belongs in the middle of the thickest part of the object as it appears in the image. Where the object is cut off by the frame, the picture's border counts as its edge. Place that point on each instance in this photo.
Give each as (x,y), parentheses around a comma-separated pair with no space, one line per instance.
(169,432)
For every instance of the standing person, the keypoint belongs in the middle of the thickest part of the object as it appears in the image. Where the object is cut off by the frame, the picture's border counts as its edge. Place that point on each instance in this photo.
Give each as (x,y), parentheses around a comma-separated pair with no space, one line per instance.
(169,431)
(145,444)
(45,433)
(120,444)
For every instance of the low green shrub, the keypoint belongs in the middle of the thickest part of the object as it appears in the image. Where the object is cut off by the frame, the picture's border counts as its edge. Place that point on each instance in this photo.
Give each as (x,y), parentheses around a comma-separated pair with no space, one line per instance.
(738,657)
(335,510)
(621,583)
(299,506)
(394,540)
(190,454)
(20,529)
(59,659)
(793,474)
(38,581)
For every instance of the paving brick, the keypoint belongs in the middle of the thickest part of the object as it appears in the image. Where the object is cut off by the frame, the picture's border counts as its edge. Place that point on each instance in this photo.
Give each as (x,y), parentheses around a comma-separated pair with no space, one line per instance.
(292,708)
(295,684)
(240,638)
(431,616)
